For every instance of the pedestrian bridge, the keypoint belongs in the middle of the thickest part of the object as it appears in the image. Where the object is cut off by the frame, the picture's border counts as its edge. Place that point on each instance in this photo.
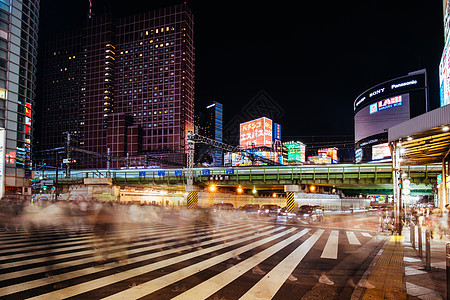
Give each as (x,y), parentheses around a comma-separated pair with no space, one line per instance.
(343,176)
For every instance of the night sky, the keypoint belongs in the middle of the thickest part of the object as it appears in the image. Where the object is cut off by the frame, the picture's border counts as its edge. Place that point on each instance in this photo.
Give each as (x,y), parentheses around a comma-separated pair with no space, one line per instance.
(311,59)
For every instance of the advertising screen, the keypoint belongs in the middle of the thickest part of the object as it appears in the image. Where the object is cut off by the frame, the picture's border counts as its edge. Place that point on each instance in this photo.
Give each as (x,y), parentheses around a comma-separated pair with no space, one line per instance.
(379,116)
(28,118)
(329,152)
(381,151)
(241,159)
(358,155)
(320,160)
(256,133)
(444,76)
(446,10)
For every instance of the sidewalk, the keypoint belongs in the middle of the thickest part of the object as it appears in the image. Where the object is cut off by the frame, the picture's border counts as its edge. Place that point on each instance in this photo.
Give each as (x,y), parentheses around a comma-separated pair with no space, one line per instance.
(399,273)
(420,283)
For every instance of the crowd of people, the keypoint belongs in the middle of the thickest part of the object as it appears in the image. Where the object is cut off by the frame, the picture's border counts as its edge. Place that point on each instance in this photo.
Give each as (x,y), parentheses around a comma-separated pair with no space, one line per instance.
(112,225)
(81,216)
(432,218)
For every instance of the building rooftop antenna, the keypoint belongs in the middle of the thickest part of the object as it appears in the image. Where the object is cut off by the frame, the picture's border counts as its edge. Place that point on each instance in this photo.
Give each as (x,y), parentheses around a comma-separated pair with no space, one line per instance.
(90,9)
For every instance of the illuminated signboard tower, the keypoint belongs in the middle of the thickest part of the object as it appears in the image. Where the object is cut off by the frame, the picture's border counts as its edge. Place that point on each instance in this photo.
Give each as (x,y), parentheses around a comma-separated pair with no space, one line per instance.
(383,106)
(256,133)
(296,152)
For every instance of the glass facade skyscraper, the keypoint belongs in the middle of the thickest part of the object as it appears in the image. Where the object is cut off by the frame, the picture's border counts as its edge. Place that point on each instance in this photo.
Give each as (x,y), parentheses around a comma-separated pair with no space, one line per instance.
(18,57)
(121,85)
(213,129)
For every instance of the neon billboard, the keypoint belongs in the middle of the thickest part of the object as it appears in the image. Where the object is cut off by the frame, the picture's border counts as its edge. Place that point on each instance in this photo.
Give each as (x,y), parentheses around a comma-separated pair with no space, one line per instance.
(28,118)
(256,133)
(329,152)
(296,151)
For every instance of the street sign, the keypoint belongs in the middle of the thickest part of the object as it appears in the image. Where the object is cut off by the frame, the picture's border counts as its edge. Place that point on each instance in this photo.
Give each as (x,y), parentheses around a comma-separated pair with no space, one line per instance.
(178,173)
(161,173)
(47,182)
(141,173)
(206,172)
(53,188)
(230,171)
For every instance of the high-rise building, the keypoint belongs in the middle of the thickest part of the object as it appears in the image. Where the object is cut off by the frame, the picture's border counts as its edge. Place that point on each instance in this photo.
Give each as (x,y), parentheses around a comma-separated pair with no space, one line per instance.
(133,84)
(213,129)
(18,57)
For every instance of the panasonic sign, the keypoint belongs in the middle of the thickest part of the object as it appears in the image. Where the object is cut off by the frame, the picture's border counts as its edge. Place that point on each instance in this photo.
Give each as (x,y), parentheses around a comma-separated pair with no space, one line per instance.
(399,85)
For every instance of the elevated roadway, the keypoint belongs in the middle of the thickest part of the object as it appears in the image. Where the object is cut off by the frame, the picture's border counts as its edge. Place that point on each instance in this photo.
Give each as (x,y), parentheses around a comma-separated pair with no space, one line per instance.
(363,178)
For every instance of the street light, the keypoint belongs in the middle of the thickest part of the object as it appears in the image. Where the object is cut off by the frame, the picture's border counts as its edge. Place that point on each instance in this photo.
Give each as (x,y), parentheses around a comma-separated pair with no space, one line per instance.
(212,188)
(240,190)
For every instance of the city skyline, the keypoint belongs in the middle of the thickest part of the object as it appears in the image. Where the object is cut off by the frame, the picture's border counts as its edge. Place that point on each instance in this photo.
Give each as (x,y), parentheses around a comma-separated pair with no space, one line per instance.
(312,61)
(124,86)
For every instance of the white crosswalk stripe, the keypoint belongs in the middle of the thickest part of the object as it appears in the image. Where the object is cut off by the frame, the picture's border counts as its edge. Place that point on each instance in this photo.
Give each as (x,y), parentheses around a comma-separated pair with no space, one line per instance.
(366,234)
(182,252)
(268,286)
(352,239)
(331,247)
(210,286)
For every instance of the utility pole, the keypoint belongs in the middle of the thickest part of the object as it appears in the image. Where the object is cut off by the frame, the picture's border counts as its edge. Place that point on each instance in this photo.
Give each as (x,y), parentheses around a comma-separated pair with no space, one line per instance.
(68,155)
(396,174)
(190,165)
(108,163)
(56,179)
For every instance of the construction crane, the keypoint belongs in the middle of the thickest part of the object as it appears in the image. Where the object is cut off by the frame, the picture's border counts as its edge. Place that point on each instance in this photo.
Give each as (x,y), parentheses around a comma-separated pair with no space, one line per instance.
(193,138)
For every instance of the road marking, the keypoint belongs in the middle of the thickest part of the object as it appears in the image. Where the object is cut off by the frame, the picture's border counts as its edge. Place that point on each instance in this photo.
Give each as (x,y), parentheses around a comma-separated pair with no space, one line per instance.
(269,285)
(91,259)
(331,247)
(366,234)
(111,279)
(89,270)
(212,285)
(163,281)
(352,239)
(81,244)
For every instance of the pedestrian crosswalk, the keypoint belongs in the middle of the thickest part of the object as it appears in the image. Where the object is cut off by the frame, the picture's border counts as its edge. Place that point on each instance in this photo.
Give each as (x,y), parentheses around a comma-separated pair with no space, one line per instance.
(161,261)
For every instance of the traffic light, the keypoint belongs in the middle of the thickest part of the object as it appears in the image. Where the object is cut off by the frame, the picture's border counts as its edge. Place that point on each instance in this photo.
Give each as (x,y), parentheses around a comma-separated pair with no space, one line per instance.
(44,187)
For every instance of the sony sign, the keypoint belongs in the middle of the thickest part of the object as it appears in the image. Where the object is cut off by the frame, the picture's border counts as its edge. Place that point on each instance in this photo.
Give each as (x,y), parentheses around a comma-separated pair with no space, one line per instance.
(379,91)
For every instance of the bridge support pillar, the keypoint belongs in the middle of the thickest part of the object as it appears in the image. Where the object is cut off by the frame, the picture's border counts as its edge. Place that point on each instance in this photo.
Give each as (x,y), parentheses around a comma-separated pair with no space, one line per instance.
(192,197)
(192,200)
(290,192)
(102,189)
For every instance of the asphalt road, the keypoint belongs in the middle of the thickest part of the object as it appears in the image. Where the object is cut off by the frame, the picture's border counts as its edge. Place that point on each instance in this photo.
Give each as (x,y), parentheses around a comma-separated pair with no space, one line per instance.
(229,259)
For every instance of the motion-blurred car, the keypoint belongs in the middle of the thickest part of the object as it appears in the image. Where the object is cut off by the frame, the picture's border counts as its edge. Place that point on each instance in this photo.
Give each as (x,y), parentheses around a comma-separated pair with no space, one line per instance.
(222,206)
(310,213)
(290,216)
(249,210)
(269,210)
